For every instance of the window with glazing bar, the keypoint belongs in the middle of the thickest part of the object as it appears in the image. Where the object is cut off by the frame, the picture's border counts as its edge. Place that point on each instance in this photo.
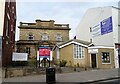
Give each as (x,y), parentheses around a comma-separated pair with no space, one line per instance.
(78,51)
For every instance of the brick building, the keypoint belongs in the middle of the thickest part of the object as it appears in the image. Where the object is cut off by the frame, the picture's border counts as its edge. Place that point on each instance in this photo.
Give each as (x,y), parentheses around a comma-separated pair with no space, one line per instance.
(41,33)
(7,29)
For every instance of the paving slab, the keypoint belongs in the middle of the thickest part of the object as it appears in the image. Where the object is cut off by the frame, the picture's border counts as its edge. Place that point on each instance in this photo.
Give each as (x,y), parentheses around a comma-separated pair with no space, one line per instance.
(76,77)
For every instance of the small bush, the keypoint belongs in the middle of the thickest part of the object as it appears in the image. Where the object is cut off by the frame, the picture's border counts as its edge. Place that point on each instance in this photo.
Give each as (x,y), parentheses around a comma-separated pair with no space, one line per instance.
(63,63)
(32,63)
(78,65)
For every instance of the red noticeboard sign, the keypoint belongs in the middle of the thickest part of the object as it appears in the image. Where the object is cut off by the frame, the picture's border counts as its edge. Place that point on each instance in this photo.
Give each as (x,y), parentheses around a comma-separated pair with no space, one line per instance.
(44,51)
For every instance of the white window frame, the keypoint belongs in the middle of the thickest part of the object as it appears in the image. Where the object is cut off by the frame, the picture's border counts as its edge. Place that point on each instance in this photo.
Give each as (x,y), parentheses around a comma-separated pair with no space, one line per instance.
(7,27)
(109,58)
(8,3)
(11,27)
(13,8)
(58,37)
(45,37)
(78,51)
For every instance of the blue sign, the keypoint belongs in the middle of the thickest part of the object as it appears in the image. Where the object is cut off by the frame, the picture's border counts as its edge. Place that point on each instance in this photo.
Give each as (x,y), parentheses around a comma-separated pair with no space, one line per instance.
(44,47)
(106,26)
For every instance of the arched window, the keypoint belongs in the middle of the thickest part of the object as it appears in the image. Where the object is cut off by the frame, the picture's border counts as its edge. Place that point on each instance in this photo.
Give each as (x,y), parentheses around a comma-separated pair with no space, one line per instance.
(30,36)
(45,37)
(58,37)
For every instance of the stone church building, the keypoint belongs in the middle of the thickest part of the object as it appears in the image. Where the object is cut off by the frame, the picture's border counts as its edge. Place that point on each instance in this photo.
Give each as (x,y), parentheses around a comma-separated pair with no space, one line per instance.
(41,33)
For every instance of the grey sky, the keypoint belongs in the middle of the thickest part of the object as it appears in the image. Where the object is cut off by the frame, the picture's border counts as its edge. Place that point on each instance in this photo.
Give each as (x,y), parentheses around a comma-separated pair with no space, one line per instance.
(62,12)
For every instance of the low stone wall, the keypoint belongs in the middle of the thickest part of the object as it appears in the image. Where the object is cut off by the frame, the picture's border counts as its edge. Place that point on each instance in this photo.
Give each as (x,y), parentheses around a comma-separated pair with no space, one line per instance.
(17,72)
(71,69)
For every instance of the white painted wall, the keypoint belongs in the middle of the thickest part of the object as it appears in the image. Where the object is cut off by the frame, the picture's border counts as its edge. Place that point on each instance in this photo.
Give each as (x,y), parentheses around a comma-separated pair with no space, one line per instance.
(116,33)
(119,26)
(116,58)
(93,17)
(2,10)
(115,24)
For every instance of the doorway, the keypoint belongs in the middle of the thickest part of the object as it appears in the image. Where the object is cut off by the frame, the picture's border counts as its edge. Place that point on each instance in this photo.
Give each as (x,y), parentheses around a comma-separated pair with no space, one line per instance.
(45,62)
(93,61)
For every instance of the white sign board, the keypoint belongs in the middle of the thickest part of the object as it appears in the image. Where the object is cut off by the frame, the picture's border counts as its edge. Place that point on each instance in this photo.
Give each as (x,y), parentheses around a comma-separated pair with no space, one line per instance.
(20,56)
(96,31)
(93,51)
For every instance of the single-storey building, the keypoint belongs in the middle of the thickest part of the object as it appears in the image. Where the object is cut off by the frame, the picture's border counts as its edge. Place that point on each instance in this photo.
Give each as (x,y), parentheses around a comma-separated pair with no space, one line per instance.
(101,57)
(74,52)
(84,54)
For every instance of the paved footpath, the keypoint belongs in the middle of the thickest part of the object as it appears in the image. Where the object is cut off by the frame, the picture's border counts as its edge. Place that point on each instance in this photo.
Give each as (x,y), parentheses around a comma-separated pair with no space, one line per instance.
(83,76)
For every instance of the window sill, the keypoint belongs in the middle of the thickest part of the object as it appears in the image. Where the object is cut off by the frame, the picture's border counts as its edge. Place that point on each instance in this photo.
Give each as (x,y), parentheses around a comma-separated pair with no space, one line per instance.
(106,63)
(79,58)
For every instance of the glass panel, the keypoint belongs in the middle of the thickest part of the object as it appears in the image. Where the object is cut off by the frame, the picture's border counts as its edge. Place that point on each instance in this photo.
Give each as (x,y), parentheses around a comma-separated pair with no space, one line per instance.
(105,57)
(58,37)
(30,37)
(45,37)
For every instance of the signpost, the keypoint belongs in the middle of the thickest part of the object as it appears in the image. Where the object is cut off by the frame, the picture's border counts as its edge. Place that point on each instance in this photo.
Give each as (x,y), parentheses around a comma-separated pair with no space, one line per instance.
(44,52)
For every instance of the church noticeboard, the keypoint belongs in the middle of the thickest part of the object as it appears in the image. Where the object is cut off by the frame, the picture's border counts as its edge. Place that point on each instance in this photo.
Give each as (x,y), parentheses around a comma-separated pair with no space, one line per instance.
(106,26)
(103,27)
(44,51)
